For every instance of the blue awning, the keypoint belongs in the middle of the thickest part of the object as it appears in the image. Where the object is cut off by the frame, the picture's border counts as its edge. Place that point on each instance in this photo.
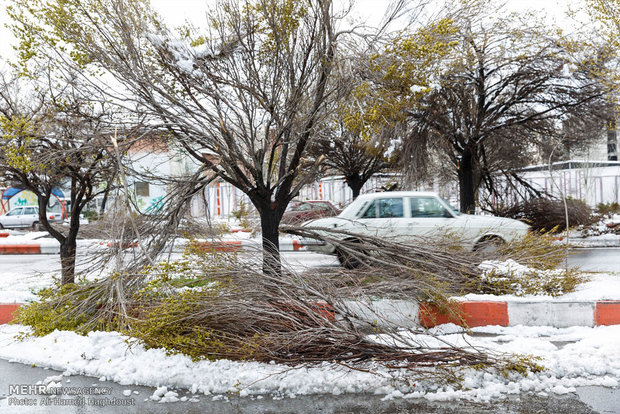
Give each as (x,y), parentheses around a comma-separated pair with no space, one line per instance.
(11,191)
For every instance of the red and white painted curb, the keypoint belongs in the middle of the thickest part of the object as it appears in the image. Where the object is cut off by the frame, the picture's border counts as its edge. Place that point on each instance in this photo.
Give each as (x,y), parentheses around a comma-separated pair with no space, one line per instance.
(559,314)
(29,243)
(406,314)
(286,245)
(7,310)
(30,248)
(52,247)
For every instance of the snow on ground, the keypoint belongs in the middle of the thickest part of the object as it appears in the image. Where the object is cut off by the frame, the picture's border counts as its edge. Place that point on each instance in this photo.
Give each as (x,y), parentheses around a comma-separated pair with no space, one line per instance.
(597,235)
(572,357)
(21,276)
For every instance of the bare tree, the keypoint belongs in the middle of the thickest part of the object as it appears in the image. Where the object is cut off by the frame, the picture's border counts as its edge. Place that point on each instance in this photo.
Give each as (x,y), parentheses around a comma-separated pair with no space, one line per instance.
(252,89)
(357,159)
(50,138)
(501,99)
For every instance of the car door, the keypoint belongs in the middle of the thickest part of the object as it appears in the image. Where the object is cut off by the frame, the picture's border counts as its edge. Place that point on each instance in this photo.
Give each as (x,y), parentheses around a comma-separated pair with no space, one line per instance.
(428,218)
(13,218)
(29,216)
(382,218)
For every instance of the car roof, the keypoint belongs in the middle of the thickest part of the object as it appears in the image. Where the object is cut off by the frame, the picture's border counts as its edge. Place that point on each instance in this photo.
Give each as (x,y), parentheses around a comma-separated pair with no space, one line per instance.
(398,194)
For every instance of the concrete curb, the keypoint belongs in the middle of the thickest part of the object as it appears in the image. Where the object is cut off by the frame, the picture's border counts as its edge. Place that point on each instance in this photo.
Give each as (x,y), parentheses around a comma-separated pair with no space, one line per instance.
(406,314)
(6,311)
(30,248)
(218,246)
(558,314)
(240,245)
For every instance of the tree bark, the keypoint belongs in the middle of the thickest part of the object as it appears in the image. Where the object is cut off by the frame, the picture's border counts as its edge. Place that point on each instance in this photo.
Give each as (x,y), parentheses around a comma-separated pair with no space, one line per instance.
(68,244)
(67,261)
(269,223)
(355,183)
(467,188)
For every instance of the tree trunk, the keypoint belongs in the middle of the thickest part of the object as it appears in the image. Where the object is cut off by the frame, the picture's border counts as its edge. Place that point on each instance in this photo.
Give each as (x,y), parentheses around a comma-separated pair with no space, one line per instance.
(104,201)
(67,261)
(466,182)
(269,223)
(106,194)
(355,183)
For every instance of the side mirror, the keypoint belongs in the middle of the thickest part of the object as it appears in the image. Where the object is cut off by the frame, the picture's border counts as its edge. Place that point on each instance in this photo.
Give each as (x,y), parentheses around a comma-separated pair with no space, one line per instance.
(447,214)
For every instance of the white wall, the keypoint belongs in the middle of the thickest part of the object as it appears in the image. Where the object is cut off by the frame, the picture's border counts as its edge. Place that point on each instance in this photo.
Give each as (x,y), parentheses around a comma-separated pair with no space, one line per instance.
(593,185)
(222,198)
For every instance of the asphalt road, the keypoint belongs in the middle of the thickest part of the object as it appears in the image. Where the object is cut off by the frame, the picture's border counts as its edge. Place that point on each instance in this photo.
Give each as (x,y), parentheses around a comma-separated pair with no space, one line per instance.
(600,259)
(591,259)
(586,401)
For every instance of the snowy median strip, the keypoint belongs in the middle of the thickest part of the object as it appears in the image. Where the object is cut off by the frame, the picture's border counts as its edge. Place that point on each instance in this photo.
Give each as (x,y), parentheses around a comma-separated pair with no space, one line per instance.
(571,357)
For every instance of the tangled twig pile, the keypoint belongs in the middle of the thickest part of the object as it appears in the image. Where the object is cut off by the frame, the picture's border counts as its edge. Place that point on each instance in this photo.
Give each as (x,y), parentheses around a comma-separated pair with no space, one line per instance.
(220,305)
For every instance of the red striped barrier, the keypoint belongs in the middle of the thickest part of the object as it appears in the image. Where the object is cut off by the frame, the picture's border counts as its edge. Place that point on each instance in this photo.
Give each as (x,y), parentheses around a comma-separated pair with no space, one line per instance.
(6,311)
(20,249)
(607,313)
(469,314)
(218,246)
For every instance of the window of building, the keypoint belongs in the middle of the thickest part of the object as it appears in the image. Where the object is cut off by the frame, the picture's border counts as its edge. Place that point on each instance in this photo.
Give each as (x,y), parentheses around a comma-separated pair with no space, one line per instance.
(142,188)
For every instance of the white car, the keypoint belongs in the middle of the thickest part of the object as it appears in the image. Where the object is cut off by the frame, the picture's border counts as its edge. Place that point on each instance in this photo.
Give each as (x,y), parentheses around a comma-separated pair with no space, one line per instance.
(27,216)
(409,216)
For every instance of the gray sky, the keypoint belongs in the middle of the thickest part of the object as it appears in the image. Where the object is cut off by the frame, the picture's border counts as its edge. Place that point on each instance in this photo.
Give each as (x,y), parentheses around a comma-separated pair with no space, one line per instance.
(176,12)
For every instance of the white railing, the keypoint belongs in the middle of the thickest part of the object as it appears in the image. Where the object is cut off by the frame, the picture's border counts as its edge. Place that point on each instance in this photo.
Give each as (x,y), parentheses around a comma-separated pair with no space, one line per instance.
(222,198)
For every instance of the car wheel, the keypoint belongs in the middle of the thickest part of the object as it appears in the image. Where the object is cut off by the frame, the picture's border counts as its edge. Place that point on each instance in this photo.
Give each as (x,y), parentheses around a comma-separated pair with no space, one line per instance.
(489,245)
(348,260)
(35,225)
(1,226)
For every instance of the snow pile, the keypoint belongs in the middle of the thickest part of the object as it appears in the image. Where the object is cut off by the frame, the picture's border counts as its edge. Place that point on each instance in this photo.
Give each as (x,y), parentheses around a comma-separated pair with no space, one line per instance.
(573,357)
(600,234)
(162,395)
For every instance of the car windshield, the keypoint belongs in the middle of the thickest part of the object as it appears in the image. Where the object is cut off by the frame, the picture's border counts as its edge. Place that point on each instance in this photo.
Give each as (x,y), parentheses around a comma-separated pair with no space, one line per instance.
(450,206)
(354,209)
(300,207)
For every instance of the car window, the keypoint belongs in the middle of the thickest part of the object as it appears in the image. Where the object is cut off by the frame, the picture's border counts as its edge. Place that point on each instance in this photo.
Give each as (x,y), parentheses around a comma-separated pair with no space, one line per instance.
(450,206)
(384,208)
(15,212)
(390,207)
(356,205)
(30,210)
(371,211)
(426,207)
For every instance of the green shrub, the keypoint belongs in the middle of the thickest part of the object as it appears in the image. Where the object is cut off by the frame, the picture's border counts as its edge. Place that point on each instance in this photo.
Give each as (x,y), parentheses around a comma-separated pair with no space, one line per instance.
(55,311)
(179,324)
(536,250)
(91,215)
(521,281)
(608,209)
